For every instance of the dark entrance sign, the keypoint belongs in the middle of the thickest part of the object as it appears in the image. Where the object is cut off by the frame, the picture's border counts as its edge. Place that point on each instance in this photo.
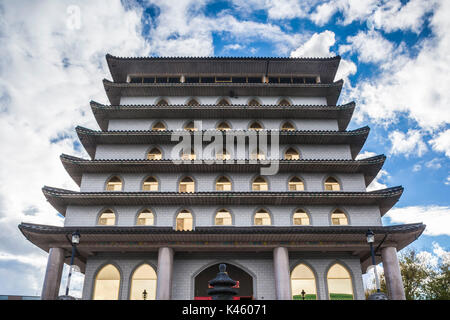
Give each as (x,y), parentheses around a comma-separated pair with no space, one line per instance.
(245,282)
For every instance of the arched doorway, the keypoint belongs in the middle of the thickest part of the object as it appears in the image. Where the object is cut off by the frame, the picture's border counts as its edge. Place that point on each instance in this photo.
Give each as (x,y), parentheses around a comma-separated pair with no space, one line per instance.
(245,284)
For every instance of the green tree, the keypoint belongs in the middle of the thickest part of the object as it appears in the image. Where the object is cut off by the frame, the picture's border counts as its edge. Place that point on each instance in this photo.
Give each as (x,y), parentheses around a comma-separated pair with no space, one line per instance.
(438,286)
(414,274)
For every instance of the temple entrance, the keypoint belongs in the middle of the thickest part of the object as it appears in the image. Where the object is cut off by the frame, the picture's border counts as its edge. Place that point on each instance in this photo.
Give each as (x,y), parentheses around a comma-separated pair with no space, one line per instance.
(244,285)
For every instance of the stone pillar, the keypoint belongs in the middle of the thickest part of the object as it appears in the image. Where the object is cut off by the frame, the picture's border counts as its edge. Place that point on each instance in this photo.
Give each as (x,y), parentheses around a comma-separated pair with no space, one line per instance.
(282,274)
(52,280)
(392,274)
(165,274)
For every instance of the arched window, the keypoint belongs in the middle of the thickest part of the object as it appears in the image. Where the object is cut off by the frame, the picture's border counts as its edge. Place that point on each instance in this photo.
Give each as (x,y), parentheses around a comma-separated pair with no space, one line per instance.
(254,102)
(190,126)
(260,184)
(291,154)
(262,218)
(287,126)
(301,218)
(193,102)
(339,283)
(114,184)
(284,102)
(331,184)
(223,102)
(187,185)
(184,221)
(223,218)
(107,284)
(339,218)
(257,154)
(150,184)
(223,184)
(255,125)
(145,218)
(303,280)
(223,126)
(188,155)
(159,126)
(143,279)
(223,155)
(296,184)
(107,218)
(162,102)
(154,154)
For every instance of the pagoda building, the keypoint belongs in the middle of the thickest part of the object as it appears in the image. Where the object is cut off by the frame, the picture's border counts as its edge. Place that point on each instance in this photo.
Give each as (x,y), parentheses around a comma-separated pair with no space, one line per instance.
(156,221)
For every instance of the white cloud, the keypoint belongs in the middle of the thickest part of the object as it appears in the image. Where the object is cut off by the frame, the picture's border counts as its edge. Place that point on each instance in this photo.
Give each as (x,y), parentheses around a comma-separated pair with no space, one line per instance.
(433,163)
(410,143)
(371,47)
(441,142)
(447,181)
(319,45)
(365,154)
(376,184)
(436,218)
(412,85)
(51,68)
(417,167)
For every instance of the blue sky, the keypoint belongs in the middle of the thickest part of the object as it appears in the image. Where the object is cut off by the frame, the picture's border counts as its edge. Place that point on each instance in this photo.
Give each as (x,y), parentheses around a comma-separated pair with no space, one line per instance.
(395,65)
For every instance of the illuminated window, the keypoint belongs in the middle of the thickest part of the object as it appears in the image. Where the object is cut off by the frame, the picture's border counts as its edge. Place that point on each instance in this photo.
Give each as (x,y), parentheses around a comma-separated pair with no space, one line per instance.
(187,185)
(301,218)
(107,218)
(223,126)
(107,284)
(114,184)
(331,184)
(287,126)
(159,126)
(223,218)
(162,102)
(262,218)
(150,184)
(154,154)
(143,279)
(255,126)
(193,102)
(291,154)
(145,218)
(303,280)
(339,283)
(339,218)
(223,184)
(254,102)
(184,221)
(296,184)
(223,155)
(260,184)
(223,102)
(257,155)
(284,102)
(190,126)
(188,155)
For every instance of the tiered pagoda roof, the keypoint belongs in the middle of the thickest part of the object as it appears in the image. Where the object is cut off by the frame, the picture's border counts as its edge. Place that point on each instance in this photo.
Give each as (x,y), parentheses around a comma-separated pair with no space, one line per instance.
(91,138)
(351,239)
(76,167)
(61,198)
(103,113)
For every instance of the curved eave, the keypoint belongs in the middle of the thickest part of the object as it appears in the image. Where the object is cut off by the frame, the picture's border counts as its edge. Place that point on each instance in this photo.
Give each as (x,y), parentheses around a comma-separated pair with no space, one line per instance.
(148,238)
(76,167)
(115,90)
(121,67)
(91,138)
(61,198)
(103,113)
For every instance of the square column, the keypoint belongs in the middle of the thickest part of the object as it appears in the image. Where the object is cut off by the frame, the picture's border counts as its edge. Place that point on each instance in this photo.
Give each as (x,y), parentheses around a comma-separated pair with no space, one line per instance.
(164,274)
(394,282)
(52,280)
(282,274)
